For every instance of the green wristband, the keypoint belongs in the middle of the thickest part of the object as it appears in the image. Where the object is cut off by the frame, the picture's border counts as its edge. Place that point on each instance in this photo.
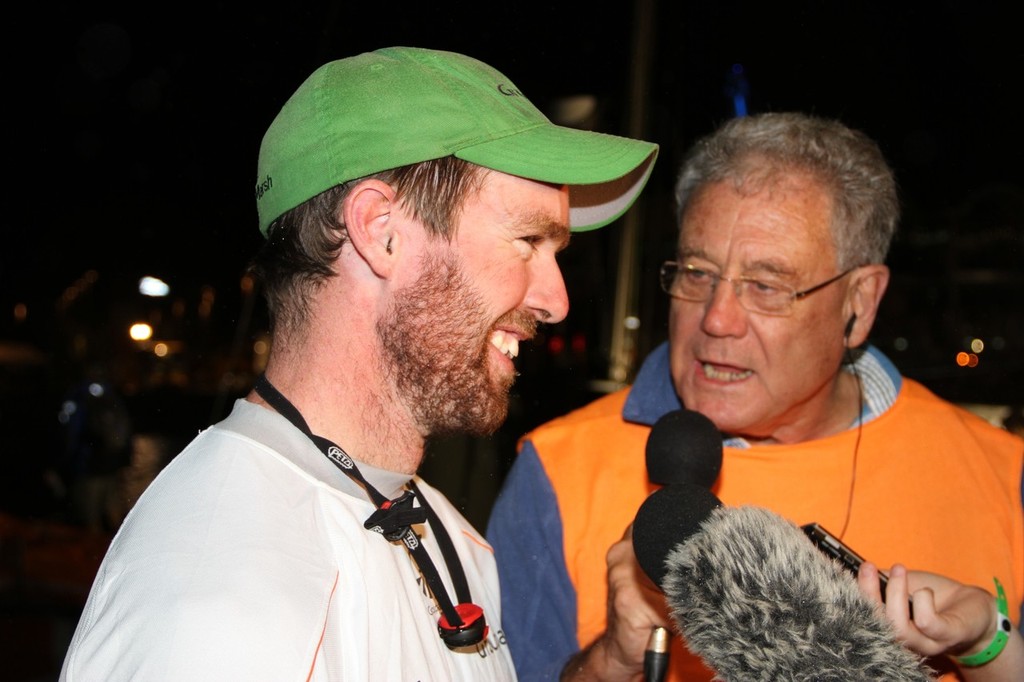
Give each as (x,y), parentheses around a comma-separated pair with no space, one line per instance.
(998,643)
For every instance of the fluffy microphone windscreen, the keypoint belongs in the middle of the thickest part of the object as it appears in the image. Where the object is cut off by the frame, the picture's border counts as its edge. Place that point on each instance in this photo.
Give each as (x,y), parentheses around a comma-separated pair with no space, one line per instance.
(756,600)
(684,447)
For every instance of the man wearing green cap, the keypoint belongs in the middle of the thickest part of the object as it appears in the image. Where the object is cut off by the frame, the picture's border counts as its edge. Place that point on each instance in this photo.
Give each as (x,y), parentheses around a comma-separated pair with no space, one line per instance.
(414,202)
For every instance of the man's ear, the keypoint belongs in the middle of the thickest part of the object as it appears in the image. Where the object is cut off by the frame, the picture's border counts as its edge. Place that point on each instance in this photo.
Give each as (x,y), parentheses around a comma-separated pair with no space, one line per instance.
(370,211)
(867,287)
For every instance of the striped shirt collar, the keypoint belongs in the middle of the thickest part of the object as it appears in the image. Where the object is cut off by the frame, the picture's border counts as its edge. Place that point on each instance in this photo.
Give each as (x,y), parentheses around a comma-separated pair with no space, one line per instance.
(879,384)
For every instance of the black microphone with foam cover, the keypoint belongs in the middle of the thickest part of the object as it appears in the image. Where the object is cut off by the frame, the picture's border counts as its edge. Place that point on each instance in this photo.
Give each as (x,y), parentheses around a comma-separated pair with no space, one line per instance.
(754,598)
(684,447)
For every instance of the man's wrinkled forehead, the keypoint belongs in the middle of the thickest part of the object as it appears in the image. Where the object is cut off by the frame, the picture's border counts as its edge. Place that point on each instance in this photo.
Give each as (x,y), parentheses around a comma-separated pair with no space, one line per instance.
(772,182)
(789,218)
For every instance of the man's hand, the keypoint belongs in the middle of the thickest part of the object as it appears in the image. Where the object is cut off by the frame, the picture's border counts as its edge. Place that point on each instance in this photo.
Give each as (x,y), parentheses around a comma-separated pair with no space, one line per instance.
(949,618)
(635,606)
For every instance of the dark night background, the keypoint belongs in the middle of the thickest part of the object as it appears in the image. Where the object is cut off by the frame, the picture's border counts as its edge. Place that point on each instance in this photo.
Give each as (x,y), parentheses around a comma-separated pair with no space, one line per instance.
(132,132)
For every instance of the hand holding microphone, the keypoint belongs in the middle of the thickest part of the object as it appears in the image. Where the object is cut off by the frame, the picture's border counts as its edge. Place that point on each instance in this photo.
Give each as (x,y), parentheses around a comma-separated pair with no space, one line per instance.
(634,606)
(684,454)
(683,446)
(756,600)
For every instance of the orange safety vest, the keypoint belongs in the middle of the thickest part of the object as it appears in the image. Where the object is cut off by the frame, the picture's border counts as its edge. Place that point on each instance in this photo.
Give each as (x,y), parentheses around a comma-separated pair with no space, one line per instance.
(934,487)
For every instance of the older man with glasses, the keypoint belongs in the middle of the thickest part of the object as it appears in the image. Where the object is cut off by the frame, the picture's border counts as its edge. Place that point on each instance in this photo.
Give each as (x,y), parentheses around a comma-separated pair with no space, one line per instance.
(795,215)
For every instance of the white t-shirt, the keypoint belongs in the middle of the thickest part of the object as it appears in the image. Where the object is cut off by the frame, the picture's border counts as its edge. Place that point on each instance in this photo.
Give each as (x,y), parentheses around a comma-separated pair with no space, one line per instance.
(247,559)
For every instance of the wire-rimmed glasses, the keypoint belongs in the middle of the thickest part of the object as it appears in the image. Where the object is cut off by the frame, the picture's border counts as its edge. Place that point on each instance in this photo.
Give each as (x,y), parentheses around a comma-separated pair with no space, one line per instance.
(691,283)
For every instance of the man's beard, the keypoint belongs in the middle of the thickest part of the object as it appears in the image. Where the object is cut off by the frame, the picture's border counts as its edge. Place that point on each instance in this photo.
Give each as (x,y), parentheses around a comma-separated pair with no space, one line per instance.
(435,340)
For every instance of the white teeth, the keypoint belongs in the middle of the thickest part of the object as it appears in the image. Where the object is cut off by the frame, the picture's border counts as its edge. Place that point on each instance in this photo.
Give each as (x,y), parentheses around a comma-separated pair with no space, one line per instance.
(508,345)
(712,373)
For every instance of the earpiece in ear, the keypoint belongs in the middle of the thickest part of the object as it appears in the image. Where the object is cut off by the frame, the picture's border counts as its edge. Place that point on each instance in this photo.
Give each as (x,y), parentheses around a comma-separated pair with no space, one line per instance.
(849,325)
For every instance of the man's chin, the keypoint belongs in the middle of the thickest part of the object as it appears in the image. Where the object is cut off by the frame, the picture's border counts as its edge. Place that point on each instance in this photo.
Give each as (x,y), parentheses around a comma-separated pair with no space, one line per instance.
(721,411)
(483,417)
(493,416)
(485,426)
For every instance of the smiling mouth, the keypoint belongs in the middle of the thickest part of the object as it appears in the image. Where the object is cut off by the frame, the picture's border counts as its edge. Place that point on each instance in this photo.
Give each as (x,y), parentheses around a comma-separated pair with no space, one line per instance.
(711,372)
(506,344)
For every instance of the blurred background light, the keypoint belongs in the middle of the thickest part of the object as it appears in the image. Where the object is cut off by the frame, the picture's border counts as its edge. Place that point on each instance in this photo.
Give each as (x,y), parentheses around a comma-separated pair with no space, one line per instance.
(153,286)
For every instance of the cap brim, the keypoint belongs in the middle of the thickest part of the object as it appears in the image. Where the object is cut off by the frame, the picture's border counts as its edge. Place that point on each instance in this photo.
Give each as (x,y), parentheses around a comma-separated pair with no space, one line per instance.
(605,173)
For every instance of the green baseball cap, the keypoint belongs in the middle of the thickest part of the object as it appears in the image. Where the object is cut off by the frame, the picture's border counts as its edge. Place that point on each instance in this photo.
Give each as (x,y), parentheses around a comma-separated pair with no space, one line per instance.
(402,105)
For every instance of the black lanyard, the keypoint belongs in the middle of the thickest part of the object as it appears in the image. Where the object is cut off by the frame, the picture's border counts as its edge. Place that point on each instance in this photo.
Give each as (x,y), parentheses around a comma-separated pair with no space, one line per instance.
(461,625)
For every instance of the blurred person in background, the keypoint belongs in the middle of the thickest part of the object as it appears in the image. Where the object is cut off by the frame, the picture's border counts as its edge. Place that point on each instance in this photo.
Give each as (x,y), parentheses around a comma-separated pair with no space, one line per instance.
(95,451)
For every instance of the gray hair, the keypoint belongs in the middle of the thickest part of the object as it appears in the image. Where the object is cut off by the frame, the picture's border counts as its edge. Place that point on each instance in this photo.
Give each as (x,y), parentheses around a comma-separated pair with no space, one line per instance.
(755,150)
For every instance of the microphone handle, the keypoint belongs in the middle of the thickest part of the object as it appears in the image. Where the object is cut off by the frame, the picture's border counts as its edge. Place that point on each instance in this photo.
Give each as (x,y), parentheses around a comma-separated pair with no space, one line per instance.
(656,655)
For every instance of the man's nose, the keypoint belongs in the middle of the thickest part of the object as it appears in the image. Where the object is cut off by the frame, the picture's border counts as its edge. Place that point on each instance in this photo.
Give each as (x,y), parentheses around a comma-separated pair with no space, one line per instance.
(724,314)
(547,295)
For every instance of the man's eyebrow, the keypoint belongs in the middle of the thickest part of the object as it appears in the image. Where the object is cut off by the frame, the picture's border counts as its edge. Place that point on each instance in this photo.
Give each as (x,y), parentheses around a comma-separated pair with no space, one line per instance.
(771,267)
(766,266)
(560,233)
(544,226)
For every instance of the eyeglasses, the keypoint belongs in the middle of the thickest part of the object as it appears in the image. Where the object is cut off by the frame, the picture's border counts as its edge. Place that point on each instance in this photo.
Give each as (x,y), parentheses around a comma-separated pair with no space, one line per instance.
(690,283)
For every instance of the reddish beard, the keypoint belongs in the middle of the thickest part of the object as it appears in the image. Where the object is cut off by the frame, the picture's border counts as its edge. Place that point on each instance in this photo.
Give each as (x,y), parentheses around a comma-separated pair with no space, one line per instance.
(436,352)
